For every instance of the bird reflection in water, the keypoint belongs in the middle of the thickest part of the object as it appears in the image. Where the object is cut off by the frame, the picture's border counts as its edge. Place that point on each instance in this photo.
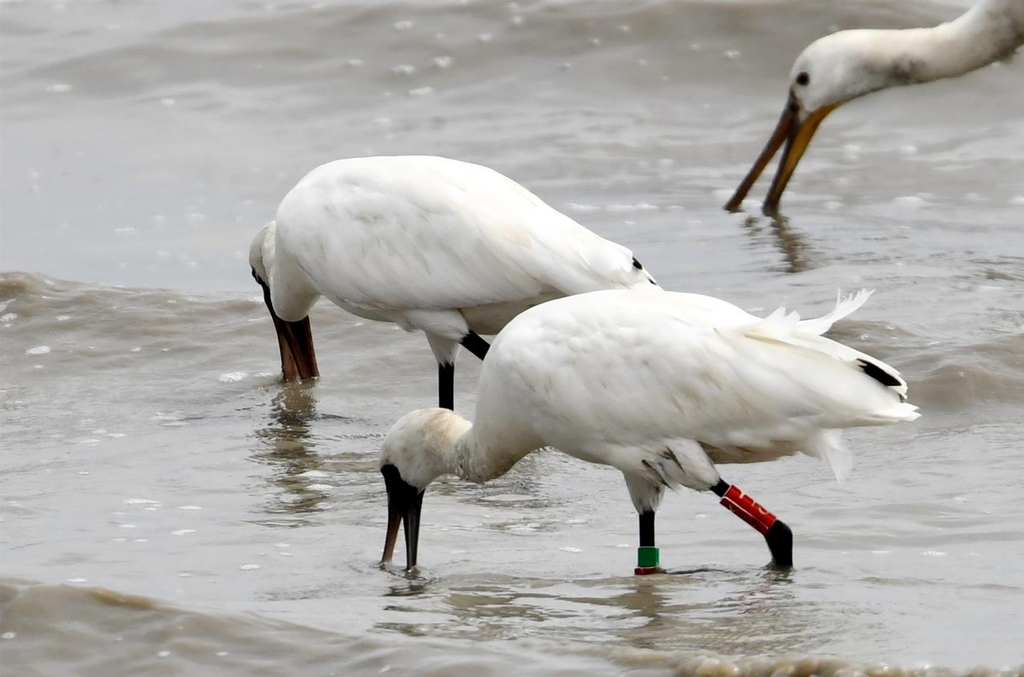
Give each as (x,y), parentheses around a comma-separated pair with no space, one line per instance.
(790,243)
(735,612)
(286,443)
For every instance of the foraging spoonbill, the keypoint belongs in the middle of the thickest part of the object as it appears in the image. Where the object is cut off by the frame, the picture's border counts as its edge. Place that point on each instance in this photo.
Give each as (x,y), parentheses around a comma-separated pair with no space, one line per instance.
(848,64)
(450,248)
(660,385)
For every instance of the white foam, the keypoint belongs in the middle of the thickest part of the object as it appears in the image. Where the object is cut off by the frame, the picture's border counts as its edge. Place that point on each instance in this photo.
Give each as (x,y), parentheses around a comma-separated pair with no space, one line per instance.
(140,501)
(182,532)
(912,201)
(569,548)
(638,207)
(7,317)
(577,207)
(38,350)
(232,377)
(249,567)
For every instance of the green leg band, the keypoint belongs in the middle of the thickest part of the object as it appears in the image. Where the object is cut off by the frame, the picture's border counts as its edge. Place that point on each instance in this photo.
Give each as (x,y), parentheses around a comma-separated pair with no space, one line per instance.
(647,556)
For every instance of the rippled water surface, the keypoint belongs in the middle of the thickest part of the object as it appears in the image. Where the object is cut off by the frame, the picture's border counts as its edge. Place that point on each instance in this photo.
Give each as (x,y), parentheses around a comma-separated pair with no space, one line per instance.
(169,507)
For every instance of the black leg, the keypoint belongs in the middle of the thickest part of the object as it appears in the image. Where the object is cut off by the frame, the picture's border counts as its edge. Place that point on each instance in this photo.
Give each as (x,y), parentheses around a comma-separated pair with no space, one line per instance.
(446,386)
(647,554)
(647,529)
(776,533)
(476,345)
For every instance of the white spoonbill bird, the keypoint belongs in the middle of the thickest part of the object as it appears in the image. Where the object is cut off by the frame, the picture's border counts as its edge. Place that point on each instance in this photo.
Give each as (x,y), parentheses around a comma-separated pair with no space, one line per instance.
(447,247)
(660,385)
(848,64)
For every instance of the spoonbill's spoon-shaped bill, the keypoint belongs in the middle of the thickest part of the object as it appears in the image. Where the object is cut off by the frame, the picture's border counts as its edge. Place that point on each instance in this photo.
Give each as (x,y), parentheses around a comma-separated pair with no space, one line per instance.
(659,385)
(450,248)
(848,64)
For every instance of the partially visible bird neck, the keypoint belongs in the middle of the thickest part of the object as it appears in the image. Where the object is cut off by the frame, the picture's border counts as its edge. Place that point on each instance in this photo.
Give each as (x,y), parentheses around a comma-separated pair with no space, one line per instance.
(478,460)
(292,292)
(990,30)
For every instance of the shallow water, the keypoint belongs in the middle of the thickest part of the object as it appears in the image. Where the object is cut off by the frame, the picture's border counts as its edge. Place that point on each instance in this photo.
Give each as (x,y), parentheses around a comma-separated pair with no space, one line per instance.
(169,507)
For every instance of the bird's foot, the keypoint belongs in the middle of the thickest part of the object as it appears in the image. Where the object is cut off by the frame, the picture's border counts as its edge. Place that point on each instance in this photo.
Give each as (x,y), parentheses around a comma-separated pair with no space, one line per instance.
(780,542)
(645,571)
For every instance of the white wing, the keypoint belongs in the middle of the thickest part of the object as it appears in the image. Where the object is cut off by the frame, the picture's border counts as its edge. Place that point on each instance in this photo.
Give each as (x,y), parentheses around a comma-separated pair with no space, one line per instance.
(626,369)
(433,233)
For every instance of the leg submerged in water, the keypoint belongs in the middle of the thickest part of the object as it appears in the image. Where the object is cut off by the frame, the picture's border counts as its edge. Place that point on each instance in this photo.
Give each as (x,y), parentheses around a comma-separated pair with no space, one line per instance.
(778,536)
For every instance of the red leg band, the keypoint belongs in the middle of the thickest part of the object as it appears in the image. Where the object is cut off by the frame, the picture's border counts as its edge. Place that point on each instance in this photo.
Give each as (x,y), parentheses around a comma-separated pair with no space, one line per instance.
(748,510)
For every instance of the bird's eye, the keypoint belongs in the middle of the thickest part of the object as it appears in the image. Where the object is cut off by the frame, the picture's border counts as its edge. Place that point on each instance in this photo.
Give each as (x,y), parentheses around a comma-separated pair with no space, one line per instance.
(803,78)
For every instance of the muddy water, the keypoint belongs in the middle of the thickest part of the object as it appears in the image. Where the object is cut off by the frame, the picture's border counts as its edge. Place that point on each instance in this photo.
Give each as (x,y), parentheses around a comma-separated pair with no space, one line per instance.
(169,507)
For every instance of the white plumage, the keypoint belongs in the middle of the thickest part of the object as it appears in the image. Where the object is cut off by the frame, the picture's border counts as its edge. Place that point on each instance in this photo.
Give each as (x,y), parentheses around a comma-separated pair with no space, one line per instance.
(450,248)
(660,385)
(848,64)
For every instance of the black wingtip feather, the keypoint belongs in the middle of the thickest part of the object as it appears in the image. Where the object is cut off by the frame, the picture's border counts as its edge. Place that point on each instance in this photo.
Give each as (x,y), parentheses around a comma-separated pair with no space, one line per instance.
(879,374)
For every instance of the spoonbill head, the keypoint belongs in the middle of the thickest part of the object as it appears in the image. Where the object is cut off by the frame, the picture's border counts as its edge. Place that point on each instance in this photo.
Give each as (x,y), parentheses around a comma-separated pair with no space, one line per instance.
(848,64)
(295,296)
(661,386)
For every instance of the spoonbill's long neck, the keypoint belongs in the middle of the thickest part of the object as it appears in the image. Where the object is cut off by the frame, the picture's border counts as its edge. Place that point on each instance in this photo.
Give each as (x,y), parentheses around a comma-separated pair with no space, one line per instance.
(990,30)
(477,460)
